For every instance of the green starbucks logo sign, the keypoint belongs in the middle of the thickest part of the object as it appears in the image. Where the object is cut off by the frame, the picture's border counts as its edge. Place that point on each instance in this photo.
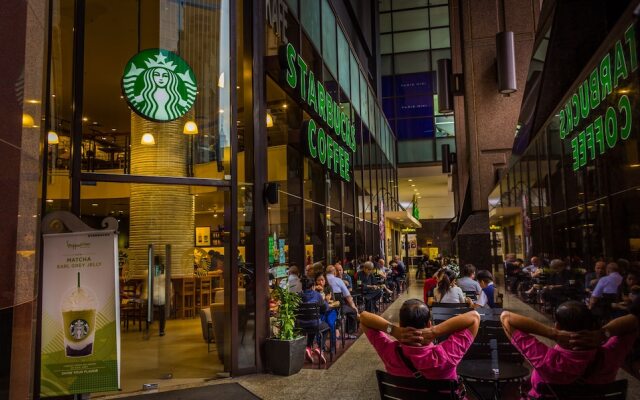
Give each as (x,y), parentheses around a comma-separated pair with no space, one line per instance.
(159,85)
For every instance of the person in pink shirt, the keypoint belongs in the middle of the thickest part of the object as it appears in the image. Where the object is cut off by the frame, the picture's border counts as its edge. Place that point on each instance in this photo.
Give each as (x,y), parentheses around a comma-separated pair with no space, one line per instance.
(582,353)
(415,337)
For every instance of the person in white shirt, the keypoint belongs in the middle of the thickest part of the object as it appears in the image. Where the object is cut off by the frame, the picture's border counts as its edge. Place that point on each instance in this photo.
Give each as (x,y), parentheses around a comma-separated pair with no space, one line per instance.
(447,291)
(349,308)
(534,267)
(293,281)
(467,281)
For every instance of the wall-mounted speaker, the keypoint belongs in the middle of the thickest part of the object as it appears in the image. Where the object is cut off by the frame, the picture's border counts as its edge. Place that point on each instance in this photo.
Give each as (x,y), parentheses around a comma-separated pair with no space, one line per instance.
(271,190)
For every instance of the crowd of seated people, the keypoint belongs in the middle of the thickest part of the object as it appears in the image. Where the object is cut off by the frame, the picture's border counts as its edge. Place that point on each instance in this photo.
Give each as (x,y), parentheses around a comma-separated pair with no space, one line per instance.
(341,293)
(447,286)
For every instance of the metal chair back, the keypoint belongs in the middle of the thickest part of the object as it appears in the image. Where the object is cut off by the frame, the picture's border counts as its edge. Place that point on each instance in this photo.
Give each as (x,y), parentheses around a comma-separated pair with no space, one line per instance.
(410,388)
(616,390)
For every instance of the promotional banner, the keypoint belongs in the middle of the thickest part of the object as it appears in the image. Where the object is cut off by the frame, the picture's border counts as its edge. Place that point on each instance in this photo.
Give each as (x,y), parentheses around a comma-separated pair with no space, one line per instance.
(80,350)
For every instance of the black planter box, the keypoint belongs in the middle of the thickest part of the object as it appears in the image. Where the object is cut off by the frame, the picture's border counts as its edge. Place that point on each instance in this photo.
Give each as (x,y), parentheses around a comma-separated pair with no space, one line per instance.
(285,357)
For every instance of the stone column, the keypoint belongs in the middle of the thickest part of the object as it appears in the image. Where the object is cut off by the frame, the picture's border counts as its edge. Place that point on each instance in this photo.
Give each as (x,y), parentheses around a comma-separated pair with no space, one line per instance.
(160,214)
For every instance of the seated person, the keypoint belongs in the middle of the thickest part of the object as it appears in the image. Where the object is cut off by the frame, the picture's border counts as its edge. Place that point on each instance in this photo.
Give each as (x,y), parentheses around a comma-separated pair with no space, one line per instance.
(467,281)
(629,289)
(348,307)
(591,278)
(371,290)
(431,283)
(325,290)
(551,294)
(346,278)
(524,277)
(293,280)
(447,291)
(415,337)
(488,295)
(310,295)
(607,285)
(401,270)
(581,353)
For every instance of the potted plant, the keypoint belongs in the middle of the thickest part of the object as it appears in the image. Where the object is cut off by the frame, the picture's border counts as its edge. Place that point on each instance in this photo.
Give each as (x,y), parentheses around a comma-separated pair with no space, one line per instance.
(285,350)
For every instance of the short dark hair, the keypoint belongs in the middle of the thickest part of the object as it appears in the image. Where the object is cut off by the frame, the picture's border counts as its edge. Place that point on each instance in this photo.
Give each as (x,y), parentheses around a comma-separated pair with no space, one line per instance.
(414,313)
(574,316)
(484,275)
(307,283)
(467,270)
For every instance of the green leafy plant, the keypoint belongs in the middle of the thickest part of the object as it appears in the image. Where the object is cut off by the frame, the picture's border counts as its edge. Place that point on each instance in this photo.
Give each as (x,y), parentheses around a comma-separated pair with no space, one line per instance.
(286,317)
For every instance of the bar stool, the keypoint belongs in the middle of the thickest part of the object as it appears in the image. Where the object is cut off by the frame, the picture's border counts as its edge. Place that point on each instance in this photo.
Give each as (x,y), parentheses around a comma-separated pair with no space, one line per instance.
(204,295)
(188,297)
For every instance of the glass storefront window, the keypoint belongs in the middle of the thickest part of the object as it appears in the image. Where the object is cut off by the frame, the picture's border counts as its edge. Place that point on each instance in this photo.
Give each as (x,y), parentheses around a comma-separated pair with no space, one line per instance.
(310,19)
(355,83)
(60,115)
(160,113)
(343,64)
(329,45)
(176,232)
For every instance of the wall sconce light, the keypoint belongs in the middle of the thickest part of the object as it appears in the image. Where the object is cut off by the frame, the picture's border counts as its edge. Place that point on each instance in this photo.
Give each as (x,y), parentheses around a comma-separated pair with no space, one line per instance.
(269,119)
(27,121)
(148,139)
(447,158)
(445,87)
(506,59)
(190,128)
(52,137)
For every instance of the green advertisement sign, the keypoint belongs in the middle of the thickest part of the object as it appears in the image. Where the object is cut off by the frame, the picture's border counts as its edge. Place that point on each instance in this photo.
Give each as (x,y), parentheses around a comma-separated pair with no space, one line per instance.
(159,85)
(333,143)
(271,243)
(80,350)
(598,115)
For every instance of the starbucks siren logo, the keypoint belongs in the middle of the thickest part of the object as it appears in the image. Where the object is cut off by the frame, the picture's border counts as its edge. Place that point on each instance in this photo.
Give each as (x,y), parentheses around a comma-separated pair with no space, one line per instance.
(159,85)
(79,329)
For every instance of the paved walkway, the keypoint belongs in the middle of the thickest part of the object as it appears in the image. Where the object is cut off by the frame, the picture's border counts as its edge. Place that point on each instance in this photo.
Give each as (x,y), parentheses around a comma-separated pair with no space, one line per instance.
(353,375)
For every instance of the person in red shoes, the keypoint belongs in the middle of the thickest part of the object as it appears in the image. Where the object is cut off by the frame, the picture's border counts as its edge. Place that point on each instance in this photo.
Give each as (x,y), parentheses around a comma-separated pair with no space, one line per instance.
(312,296)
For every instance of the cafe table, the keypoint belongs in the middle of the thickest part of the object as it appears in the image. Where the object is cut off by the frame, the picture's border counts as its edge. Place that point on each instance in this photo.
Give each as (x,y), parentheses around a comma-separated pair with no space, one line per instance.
(491,370)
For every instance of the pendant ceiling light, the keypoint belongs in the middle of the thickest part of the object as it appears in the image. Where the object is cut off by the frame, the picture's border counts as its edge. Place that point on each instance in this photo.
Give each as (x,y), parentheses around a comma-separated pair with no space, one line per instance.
(148,139)
(52,138)
(190,128)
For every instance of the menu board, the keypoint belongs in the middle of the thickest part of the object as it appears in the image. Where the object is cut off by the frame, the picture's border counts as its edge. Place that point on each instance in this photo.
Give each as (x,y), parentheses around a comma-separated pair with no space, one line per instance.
(80,350)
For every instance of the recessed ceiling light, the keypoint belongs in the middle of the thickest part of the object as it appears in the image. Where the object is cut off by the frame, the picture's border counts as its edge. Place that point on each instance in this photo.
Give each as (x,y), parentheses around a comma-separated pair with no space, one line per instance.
(94,204)
(413,185)
(49,201)
(410,180)
(85,119)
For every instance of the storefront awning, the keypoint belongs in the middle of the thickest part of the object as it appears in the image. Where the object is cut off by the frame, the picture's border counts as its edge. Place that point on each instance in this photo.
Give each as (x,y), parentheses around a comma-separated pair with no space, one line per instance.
(403,218)
(503,212)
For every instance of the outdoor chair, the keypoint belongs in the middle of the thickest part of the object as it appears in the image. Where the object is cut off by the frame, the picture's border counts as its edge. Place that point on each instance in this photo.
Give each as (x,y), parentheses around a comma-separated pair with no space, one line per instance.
(616,390)
(410,388)
(451,305)
(602,309)
(341,320)
(471,294)
(310,312)
(207,327)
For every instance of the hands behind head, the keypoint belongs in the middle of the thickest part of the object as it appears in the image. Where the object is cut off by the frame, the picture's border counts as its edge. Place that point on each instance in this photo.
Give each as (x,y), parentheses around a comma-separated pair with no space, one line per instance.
(585,339)
(581,340)
(414,337)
